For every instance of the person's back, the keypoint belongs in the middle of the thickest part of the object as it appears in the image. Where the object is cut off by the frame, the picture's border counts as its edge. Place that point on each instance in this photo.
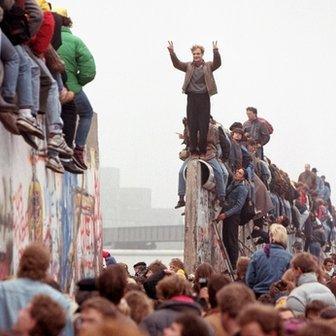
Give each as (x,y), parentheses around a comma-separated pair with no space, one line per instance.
(17,293)
(266,267)
(308,290)
(79,62)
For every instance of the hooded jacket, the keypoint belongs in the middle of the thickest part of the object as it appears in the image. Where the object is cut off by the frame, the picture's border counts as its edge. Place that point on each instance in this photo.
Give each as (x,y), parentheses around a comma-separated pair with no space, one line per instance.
(308,290)
(167,312)
(79,63)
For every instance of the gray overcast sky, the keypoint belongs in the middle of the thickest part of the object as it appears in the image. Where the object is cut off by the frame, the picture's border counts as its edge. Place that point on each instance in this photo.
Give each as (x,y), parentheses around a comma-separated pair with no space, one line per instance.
(277,55)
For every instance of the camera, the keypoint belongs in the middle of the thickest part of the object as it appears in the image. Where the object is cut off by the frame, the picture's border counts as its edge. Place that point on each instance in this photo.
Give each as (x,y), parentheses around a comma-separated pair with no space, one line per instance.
(203,282)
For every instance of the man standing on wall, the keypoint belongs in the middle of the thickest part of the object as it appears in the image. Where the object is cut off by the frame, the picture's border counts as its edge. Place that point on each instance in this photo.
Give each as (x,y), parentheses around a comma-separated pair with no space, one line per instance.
(199,85)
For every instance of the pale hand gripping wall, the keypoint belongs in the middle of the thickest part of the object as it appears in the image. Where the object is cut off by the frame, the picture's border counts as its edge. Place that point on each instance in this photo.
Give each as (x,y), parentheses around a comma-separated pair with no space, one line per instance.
(62,212)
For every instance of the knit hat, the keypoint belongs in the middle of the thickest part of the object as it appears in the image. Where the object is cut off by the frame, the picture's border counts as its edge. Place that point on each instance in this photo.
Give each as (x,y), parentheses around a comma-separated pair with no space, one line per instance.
(44,5)
(236,124)
(61,11)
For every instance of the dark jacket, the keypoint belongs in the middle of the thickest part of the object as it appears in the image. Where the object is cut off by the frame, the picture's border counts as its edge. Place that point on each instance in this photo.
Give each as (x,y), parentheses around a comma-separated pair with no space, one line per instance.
(236,195)
(209,67)
(56,41)
(257,131)
(266,267)
(167,312)
(225,144)
(236,156)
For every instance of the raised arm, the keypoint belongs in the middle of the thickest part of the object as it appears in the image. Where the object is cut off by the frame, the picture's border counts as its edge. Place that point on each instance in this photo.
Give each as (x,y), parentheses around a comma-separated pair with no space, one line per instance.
(176,62)
(217,62)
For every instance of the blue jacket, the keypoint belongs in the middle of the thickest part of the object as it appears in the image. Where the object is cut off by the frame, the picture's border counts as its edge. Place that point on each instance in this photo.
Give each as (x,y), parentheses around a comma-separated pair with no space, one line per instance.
(267,266)
(16,294)
(236,195)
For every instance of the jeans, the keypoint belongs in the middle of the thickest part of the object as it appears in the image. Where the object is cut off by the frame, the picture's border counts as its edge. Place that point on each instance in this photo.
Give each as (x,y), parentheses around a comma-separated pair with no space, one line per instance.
(220,173)
(85,113)
(35,82)
(49,98)
(11,61)
(221,176)
(181,180)
(198,117)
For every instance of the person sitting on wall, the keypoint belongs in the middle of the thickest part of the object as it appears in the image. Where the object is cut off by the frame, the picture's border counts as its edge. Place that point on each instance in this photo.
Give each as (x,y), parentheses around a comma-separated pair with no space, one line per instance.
(236,196)
(214,142)
(199,85)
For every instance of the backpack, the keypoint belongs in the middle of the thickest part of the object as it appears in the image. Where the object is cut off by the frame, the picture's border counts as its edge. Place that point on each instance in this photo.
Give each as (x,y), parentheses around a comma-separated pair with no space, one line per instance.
(15,24)
(267,124)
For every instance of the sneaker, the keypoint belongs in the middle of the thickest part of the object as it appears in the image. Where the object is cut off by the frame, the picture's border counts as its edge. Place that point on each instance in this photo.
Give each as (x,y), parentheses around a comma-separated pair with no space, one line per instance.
(29,125)
(78,157)
(57,143)
(29,139)
(71,167)
(54,164)
(180,204)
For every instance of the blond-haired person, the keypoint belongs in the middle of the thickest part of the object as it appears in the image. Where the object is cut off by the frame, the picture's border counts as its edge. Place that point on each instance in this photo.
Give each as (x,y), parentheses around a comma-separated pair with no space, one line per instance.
(269,264)
(199,84)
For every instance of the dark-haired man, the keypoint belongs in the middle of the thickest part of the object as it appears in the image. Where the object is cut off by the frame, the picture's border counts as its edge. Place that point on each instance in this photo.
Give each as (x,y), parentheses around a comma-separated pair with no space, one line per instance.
(256,130)
(236,195)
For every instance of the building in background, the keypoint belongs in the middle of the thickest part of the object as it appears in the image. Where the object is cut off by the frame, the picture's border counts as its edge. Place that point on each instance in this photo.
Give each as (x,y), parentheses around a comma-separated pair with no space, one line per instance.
(129,220)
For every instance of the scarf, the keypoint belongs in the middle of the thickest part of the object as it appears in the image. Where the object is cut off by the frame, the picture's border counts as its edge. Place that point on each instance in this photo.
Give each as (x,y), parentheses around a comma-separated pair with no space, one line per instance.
(198,63)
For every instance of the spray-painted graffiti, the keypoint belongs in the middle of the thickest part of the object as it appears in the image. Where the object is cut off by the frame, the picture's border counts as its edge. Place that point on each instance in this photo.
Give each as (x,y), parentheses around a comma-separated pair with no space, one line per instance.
(62,212)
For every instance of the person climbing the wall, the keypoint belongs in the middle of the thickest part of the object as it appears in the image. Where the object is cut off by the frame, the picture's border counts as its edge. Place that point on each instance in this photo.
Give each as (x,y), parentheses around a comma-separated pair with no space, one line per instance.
(199,85)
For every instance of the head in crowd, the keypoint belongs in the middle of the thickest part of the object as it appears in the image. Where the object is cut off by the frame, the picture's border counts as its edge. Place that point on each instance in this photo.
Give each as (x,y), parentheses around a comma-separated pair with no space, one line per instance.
(112,327)
(307,167)
(66,21)
(252,146)
(34,262)
(216,283)
(197,52)
(314,170)
(140,305)
(237,134)
(171,286)
(317,328)
(43,316)
(261,320)
(313,309)
(240,175)
(328,264)
(187,325)
(203,271)
(140,268)
(283,220)
(278,235)
(285,313)
(154,267)
(231,300)
(332,285)
(112,283)
(94,311)
(252,113)
(297,247)
(242,265)
(176,264)
(303,263)
(86,289)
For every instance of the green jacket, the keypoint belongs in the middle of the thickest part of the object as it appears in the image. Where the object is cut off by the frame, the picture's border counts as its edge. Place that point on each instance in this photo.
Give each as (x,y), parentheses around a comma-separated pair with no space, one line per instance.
(79,63)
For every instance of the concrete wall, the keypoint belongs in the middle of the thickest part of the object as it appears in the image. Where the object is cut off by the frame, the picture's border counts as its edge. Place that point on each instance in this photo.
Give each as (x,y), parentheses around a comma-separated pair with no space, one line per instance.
(200,242)
(63,212)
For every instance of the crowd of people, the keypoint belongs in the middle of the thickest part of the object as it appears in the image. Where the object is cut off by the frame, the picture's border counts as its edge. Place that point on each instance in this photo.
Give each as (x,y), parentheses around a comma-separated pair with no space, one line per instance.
(45,68)
(274,293)
(249,187)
